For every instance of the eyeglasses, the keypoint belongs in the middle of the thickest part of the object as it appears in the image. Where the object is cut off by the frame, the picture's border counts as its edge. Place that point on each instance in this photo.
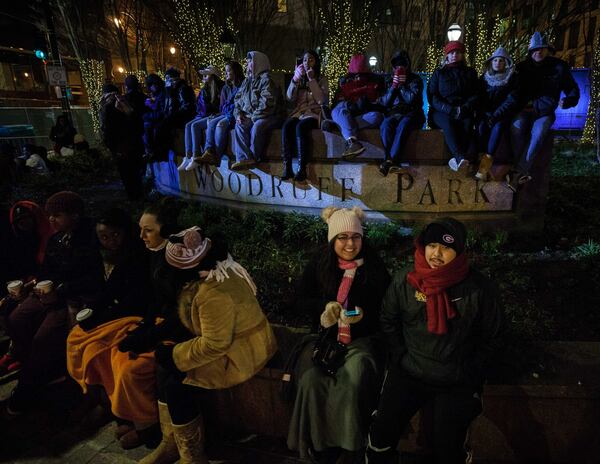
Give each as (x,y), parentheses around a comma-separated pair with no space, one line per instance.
(347,238)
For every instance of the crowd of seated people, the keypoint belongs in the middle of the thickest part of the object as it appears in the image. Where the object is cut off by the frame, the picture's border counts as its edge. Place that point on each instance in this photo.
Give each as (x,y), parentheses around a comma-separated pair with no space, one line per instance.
(149,319)
(516,102)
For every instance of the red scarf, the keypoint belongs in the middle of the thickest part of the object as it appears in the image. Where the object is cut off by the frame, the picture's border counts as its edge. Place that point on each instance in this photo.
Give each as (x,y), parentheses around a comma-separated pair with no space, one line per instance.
(349,268)
(433,283)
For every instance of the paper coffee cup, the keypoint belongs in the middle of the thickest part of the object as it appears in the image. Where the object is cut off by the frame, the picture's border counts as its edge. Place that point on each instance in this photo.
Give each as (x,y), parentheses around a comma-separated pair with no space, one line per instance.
(84,314)
(44,286)
(15,287)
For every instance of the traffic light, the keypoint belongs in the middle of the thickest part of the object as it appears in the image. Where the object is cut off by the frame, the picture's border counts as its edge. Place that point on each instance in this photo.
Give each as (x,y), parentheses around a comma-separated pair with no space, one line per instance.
(41,54)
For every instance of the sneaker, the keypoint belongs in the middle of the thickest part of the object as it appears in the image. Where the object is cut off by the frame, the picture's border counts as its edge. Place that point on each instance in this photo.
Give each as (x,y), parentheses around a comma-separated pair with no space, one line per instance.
(186,160)
(193,164)
(457,164)
(484,167)
(243,165)
(384,168)
(395,169)
(8,366)
(512,181)
(523,179)
(353,149)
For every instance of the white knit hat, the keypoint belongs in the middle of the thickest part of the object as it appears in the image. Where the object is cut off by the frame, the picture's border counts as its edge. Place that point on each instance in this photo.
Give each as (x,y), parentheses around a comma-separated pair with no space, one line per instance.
(342,220)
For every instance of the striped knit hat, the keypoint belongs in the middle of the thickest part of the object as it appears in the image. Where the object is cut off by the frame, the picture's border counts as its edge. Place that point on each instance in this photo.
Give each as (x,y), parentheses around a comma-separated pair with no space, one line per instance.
(187,249)
(342,220)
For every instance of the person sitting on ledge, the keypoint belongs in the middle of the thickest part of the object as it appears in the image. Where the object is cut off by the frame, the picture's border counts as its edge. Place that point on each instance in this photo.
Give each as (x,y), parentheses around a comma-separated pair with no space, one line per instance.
(404,103)
(356,104)
(232,340)
(258,110)
(453,93)
(542,79)
(154,112)
(443,323)
(207,106)
(309,90)
(498,107)
(217,130)
(70,276)
(341,289)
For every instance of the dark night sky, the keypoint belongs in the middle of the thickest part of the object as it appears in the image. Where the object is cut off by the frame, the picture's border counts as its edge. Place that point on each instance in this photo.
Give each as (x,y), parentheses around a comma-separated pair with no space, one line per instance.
(16,29)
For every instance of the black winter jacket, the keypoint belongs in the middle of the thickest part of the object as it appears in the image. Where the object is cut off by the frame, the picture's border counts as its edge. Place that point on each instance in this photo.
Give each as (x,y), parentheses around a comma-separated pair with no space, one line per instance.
(500,101)
(180,100)
(459,357)
(542,83)
(368,288)
(451,87)
(406,99)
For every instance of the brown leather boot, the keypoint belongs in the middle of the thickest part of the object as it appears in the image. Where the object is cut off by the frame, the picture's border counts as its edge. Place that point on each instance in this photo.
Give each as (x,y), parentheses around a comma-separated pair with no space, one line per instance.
(484,167)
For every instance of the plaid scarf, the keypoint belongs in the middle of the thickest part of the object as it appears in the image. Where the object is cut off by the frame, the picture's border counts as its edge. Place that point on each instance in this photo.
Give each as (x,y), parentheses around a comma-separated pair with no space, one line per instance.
(349,268)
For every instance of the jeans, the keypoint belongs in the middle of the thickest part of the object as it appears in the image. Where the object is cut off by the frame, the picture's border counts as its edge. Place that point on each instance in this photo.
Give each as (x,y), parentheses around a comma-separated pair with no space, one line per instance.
(458,133)
(251,137)
(295,136)
(193,135)
(349,125)
(217,132)
(528,133)
(395,130)
(402,397)
(490,137)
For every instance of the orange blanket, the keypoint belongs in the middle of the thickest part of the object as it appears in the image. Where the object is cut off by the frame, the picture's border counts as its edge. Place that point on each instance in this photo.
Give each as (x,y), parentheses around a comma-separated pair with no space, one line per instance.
(93,358)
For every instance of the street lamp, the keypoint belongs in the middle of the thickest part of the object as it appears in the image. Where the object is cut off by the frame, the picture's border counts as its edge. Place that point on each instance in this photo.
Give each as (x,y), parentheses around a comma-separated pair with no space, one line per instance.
(373,61)
(172,50)
(454,32)
(120,69)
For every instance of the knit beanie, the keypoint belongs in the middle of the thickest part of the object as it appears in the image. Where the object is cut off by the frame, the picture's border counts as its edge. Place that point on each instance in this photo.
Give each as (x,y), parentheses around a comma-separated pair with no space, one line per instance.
(454,45)
(64,202)
(446,231)
(187,249)
(342,220)
(539,41)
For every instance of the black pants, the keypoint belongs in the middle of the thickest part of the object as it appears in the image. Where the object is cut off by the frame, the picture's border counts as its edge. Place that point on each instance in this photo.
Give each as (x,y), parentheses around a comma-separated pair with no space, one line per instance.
(454,408)
(458,133)
(295,136)
(182,400)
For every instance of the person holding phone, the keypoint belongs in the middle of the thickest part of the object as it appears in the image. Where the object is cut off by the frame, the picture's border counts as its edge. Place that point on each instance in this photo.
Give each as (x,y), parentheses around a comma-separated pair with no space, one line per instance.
(404,104)
(442,321)
(309,91)
(341,289)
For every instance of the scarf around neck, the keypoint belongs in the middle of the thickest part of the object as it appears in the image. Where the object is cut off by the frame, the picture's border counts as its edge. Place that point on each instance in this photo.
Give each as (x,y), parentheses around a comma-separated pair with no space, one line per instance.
(349,268)
(433,283)
(498,79)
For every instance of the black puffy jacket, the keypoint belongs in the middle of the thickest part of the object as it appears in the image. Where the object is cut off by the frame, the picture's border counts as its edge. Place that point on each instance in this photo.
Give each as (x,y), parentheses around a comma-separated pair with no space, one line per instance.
(499,101)
(542,83)
(451,87)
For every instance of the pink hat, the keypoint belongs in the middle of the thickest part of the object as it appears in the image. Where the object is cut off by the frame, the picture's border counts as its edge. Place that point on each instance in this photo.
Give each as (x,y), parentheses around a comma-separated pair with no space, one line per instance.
(187,249)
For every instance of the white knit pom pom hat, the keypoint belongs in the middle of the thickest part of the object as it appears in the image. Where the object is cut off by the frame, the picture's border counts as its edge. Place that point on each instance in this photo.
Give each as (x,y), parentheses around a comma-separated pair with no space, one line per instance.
(342,220)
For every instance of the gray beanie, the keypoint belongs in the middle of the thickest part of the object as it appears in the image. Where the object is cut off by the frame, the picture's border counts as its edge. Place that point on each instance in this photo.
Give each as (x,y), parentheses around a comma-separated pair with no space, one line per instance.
(539,41)
(501,53)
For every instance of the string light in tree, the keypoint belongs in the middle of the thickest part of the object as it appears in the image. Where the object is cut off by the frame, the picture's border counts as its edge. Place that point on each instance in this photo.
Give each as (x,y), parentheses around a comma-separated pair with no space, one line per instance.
(589,130)
(93,76)
(433,58)
(485,45)
(346,36)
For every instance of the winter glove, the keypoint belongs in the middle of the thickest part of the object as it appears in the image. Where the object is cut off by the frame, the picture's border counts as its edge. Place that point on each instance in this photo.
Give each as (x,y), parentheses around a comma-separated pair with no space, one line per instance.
(139,340)
(164,358)
(351,319)
(298,73)
(331,314)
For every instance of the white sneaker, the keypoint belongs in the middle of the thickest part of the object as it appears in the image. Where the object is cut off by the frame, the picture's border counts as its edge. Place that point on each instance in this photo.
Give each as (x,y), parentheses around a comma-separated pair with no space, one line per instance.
(191,165)
(184,163)
(452,164)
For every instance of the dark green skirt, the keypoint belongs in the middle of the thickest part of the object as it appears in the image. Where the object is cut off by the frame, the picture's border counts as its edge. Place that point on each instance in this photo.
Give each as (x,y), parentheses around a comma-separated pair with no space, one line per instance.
(335,412)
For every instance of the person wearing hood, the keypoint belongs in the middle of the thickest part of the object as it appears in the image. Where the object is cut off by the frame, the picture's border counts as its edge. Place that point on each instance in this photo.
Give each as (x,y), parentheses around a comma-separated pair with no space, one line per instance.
(454,93)
(207,107)
(542,79)
(499,104)
(258,110)
(309,90)
(70,275)
(231,340)
(442,322)
(356,104)
(404,104)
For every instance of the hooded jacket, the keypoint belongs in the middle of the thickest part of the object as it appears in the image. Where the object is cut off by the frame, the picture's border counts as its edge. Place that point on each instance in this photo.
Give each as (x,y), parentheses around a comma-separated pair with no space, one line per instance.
(360,88)
(259,97)
(406,99)
(542,84)
(462,356)
(451,87)
(500,100)
(205,106)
